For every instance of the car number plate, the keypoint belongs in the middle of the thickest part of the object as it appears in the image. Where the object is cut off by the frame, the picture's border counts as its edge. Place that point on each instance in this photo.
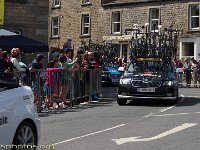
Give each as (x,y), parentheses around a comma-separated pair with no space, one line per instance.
(146,89)
(115,80)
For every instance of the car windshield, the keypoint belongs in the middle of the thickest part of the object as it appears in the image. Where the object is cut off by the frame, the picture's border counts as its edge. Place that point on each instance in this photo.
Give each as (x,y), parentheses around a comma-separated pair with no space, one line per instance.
(112,64)
(150,66)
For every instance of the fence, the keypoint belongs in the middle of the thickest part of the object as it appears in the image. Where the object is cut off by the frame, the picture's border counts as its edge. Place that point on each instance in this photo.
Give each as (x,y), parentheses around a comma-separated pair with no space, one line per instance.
(60,87)
(189,79)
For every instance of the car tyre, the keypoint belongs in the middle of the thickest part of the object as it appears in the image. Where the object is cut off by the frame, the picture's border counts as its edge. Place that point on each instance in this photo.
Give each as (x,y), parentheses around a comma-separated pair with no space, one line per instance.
(26,134)
(176,101)
(121,101)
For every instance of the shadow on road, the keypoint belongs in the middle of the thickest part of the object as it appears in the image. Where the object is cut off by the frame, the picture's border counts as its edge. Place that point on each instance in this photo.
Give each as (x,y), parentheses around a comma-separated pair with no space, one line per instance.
(150,103)
(188,101)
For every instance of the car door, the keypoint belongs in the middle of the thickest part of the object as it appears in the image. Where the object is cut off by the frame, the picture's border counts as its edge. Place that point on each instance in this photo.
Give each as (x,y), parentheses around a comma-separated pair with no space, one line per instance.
(6,111)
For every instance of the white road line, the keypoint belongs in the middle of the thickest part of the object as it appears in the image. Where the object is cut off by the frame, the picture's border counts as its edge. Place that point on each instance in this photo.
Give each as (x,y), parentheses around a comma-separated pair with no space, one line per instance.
(148,115)
(183,97)
(161,135)
(175,114)
(165,109)
(68,140)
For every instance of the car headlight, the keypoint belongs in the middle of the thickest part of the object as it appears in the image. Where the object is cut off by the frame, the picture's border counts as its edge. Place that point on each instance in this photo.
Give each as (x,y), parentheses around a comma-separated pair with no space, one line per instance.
(125,81)
(168,83)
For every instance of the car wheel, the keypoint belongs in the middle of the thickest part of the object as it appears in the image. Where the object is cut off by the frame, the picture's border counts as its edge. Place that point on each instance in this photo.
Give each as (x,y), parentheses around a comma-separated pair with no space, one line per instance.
(177,97)
(26,134)
(121,101)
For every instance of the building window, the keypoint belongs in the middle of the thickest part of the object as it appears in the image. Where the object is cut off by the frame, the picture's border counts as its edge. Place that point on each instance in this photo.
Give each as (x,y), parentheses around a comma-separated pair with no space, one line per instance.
(116,22)
(85,24)
(154,15)
(56,3)
(194,16)
(188,50)
(86,1)
(54,27)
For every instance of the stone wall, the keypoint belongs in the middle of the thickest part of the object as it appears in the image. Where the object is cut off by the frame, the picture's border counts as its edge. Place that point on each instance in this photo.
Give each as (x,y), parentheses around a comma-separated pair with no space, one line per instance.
(171,13)
(70,22)
(30,17)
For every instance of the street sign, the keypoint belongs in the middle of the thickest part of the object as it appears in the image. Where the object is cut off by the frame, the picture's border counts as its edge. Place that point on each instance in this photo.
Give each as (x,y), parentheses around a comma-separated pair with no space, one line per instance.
(1,12)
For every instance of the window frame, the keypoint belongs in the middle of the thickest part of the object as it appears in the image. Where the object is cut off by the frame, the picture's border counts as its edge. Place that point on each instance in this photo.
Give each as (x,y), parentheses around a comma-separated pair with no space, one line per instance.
(55,26)
(151,20)
(85,3)
(112,22)
(83,15)
(190,17)
(56,5)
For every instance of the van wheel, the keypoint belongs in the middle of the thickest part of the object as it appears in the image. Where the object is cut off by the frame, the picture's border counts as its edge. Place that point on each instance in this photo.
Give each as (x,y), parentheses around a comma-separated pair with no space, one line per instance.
(26,134)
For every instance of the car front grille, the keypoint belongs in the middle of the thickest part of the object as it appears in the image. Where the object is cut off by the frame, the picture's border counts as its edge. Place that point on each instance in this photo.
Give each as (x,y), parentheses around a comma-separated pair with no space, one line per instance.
(137,83)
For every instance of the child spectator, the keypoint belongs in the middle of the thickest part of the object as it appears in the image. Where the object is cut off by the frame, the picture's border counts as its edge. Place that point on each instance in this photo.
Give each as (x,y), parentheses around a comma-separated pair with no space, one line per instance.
(50,81)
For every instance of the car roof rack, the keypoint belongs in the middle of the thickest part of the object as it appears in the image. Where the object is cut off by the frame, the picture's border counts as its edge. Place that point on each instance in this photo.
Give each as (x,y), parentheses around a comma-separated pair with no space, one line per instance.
(153,44)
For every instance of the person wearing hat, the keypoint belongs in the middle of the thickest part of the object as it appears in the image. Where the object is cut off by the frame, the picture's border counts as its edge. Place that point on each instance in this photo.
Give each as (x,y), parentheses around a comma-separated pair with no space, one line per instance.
(68,54)
(34,76)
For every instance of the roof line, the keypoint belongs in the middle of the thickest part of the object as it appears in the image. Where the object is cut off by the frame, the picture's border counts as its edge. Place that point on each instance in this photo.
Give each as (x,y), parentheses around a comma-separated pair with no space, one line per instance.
(126,3)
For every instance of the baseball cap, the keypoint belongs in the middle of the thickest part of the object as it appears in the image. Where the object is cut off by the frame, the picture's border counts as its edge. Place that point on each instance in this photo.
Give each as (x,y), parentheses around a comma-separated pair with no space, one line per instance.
(40,56)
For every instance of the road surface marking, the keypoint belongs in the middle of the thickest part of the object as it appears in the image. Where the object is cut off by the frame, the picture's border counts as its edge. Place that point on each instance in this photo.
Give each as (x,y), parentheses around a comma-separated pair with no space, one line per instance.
(165,109)
(183,97)
(175,114)
(68,140)
(148,115)
(136,139)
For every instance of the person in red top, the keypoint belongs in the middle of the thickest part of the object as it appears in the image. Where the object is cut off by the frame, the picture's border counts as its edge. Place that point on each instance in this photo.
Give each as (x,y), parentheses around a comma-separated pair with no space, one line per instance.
(50,81)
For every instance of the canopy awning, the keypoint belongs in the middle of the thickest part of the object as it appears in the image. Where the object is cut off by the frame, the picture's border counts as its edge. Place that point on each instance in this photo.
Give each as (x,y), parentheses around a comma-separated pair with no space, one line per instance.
(4,32)
(26,45)
(117,38)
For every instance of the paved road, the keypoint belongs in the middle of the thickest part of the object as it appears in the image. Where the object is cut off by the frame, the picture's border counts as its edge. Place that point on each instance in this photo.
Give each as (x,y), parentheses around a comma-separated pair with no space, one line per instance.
(140,125)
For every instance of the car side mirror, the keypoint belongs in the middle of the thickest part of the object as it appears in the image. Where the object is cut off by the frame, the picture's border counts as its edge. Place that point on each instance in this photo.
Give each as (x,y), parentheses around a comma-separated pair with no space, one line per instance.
(121,69)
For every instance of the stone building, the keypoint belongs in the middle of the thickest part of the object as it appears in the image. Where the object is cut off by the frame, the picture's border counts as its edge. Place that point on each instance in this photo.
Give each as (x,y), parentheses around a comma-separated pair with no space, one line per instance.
(80,20)
(29,18)
(106,20)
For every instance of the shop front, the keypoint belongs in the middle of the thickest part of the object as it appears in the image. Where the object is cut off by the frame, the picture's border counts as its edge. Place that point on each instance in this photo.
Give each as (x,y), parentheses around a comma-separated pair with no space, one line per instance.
(121,45)
(189,47)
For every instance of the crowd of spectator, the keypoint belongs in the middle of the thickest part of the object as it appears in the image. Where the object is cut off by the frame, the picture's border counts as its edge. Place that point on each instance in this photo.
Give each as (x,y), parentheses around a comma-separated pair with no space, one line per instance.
(59,62)
(189,68)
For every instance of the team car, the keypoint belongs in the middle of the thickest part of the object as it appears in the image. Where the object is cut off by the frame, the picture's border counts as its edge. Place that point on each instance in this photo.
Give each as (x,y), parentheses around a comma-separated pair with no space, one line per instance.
(19,121)
(110,74)
(148,79)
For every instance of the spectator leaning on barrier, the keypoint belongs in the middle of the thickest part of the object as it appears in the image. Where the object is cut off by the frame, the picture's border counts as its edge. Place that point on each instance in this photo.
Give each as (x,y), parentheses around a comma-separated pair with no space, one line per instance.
(195,72)
(68,54)
(65,76)
(3,61)
(50,84)
(187,69)
(91,61)
(35,67)
(179,71)
(3,66)
(15,53)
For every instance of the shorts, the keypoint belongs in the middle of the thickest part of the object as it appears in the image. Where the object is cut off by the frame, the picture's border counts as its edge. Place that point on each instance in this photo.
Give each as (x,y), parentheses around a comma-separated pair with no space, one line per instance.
(34,86)
(48,89)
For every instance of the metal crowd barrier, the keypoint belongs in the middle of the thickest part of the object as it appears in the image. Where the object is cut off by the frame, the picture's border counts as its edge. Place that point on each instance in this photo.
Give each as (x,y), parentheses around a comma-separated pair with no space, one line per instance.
(59,87)
(192,81)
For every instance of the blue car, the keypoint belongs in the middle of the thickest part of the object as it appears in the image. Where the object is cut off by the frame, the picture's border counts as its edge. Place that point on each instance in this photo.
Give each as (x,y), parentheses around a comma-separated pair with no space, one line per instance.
(110,74)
